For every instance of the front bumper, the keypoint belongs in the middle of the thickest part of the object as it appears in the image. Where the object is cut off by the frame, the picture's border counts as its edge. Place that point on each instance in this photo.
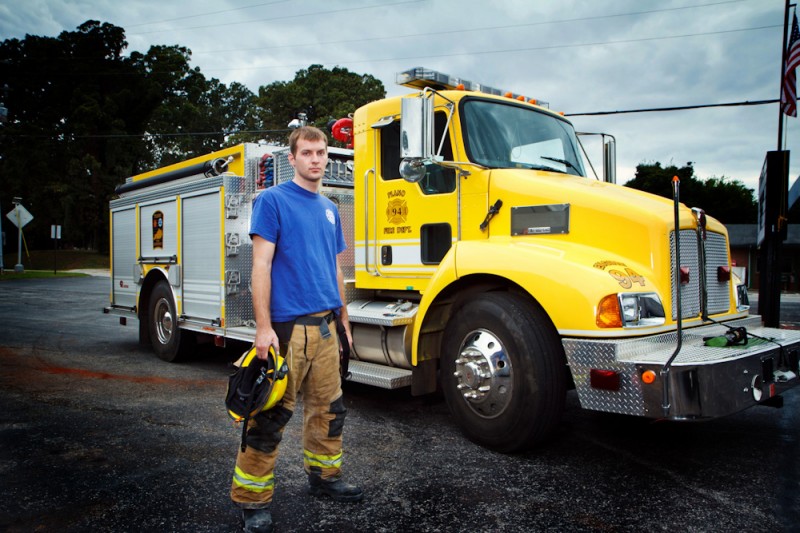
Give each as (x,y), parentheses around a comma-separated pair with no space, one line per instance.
(704,381)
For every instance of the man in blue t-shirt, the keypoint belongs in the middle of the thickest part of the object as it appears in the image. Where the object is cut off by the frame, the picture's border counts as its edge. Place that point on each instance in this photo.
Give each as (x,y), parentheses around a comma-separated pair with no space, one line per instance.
(298,292)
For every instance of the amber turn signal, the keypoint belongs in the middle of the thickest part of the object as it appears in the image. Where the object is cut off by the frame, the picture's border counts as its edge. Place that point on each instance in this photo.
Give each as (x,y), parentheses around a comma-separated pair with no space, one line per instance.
(648,377)
(608,315)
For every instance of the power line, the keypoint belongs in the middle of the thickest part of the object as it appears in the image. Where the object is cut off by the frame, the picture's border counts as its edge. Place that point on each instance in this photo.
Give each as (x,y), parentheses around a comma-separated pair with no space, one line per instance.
(479,52)
(462,30)
(210,133)
(674,108)
(270,19)
(208,13)
(510,50)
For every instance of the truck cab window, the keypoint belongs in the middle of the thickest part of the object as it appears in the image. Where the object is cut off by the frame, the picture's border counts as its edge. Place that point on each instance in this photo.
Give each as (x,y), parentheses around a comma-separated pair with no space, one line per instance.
(500,135)
(390,151)
(438,179)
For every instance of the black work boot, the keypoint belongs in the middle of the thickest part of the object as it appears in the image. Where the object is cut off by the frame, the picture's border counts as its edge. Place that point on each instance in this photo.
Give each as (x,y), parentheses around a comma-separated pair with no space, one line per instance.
(337,489)
(257,520)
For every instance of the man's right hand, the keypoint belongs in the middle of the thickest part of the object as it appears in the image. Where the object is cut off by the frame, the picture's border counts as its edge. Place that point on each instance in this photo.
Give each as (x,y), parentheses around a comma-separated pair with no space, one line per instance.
(264,339)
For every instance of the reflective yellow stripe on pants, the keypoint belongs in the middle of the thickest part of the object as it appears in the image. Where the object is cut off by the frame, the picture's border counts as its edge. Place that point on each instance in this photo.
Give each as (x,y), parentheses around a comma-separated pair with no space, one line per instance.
(253,483)
(322,461)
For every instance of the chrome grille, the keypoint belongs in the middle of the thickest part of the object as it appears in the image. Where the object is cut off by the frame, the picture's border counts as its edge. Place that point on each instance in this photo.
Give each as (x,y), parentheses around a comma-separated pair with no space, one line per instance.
(716,256)
(716,252)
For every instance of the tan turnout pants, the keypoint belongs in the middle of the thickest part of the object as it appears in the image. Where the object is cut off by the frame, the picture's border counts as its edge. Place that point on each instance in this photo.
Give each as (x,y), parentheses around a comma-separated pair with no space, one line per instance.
(314,373)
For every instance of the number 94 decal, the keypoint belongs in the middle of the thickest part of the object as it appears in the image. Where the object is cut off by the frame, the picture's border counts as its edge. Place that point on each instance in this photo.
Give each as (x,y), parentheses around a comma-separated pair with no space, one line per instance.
(624,275)
(627,278)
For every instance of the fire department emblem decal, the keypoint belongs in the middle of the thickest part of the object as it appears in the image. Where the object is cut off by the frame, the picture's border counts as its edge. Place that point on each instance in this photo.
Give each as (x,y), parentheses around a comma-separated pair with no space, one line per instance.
(158,230)
(397,211)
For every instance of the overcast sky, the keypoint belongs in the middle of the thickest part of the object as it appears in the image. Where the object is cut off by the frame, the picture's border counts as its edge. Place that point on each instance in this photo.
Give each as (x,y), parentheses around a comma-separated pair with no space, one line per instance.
(581,56)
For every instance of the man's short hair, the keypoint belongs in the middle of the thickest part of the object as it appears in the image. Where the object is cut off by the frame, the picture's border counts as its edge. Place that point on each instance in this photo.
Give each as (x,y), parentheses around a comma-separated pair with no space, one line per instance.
(307,133)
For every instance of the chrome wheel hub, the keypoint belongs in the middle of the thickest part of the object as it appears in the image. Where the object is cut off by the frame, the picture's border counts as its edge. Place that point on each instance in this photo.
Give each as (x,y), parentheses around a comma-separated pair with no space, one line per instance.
(163,321)
(484,374)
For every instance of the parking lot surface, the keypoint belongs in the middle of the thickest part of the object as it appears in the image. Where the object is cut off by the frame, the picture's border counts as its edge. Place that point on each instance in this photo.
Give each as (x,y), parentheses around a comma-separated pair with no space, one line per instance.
(97,434)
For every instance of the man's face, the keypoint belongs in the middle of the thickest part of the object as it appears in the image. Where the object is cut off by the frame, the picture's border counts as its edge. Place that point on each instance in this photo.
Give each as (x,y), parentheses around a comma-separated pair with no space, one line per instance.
(310,160)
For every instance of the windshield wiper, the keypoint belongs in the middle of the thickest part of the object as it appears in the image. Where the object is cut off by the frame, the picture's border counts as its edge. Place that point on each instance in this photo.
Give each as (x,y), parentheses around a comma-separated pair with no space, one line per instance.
(557,160)
(531,166)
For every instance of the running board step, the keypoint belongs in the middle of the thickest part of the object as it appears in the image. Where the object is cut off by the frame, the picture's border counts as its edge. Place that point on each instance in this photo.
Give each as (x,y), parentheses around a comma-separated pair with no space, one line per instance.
(385,377)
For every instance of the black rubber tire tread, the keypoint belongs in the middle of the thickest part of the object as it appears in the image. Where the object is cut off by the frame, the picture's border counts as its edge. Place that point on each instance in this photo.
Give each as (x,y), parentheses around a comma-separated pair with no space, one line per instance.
(539,371)
(178,346)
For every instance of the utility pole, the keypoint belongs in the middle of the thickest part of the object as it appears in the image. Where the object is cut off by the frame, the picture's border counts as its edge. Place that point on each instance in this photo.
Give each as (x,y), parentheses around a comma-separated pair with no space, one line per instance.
(773,190)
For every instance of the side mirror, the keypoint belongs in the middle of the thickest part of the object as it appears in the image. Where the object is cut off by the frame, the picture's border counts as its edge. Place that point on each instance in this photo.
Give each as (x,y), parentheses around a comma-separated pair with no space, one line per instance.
(609,159)
(412,170)
(416,137)
(416,128)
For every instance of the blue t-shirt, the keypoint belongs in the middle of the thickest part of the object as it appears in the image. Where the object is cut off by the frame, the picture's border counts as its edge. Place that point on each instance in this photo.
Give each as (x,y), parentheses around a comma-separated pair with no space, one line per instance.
(307,233)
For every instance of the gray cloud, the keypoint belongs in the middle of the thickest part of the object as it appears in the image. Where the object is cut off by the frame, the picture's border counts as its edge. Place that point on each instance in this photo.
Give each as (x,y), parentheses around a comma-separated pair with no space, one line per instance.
(579,56)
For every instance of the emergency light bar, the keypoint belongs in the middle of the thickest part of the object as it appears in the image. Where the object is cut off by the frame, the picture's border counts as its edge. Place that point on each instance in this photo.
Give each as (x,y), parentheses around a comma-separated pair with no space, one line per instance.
(420,78)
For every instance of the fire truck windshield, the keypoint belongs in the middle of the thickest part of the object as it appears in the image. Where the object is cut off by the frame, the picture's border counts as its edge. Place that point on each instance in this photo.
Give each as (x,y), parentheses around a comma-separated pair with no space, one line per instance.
(506,135)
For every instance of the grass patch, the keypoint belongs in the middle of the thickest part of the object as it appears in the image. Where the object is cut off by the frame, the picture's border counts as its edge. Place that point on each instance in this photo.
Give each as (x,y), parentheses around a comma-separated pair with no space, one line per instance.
(46,260)
(37,274)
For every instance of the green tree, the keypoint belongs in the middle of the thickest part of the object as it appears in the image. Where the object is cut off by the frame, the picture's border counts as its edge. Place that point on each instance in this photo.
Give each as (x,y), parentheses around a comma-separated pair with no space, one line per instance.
(323,95)
(196,115)
(83,117)
(729,201)
(69,100)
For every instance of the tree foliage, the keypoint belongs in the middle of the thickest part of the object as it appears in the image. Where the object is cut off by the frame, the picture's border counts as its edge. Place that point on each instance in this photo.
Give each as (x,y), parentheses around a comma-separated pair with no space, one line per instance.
(729,201)
(323,95)
(82,117)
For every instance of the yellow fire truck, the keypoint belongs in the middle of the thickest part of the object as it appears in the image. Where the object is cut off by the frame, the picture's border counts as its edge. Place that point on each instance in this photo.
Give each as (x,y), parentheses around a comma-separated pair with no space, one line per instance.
(482,259)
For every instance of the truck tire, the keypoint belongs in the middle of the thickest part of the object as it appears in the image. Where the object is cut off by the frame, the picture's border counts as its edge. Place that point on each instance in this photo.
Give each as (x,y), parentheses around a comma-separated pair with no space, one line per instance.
(162,319)
(503,372)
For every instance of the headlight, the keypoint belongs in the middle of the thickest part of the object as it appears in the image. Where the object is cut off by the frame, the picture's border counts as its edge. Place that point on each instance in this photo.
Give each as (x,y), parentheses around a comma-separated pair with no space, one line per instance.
(630,310)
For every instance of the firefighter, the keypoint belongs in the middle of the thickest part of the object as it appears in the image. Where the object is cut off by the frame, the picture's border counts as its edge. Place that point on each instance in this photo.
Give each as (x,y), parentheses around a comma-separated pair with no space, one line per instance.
(298,293)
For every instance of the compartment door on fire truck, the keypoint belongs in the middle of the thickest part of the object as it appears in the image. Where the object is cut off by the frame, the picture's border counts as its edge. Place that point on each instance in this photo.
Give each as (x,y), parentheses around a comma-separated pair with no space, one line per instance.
(415,223)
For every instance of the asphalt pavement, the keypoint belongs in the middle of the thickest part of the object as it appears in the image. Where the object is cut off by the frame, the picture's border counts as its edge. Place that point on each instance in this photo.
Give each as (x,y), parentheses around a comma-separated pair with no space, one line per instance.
(97,434)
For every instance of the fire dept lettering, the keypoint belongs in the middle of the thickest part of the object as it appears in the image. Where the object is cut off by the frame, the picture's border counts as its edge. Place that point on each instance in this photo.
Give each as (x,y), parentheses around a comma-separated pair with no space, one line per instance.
(397,230)
(158,230)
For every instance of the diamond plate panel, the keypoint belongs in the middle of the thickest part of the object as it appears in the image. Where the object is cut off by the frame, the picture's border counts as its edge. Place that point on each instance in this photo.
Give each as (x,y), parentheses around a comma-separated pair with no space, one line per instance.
(343,198)
(240,191)
(386,377)
(283,169)
(582,357)
(239,194)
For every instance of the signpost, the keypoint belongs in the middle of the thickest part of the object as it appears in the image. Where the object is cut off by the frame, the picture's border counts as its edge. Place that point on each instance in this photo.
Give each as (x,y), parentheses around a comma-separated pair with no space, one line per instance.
(55,234)
(19,216)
